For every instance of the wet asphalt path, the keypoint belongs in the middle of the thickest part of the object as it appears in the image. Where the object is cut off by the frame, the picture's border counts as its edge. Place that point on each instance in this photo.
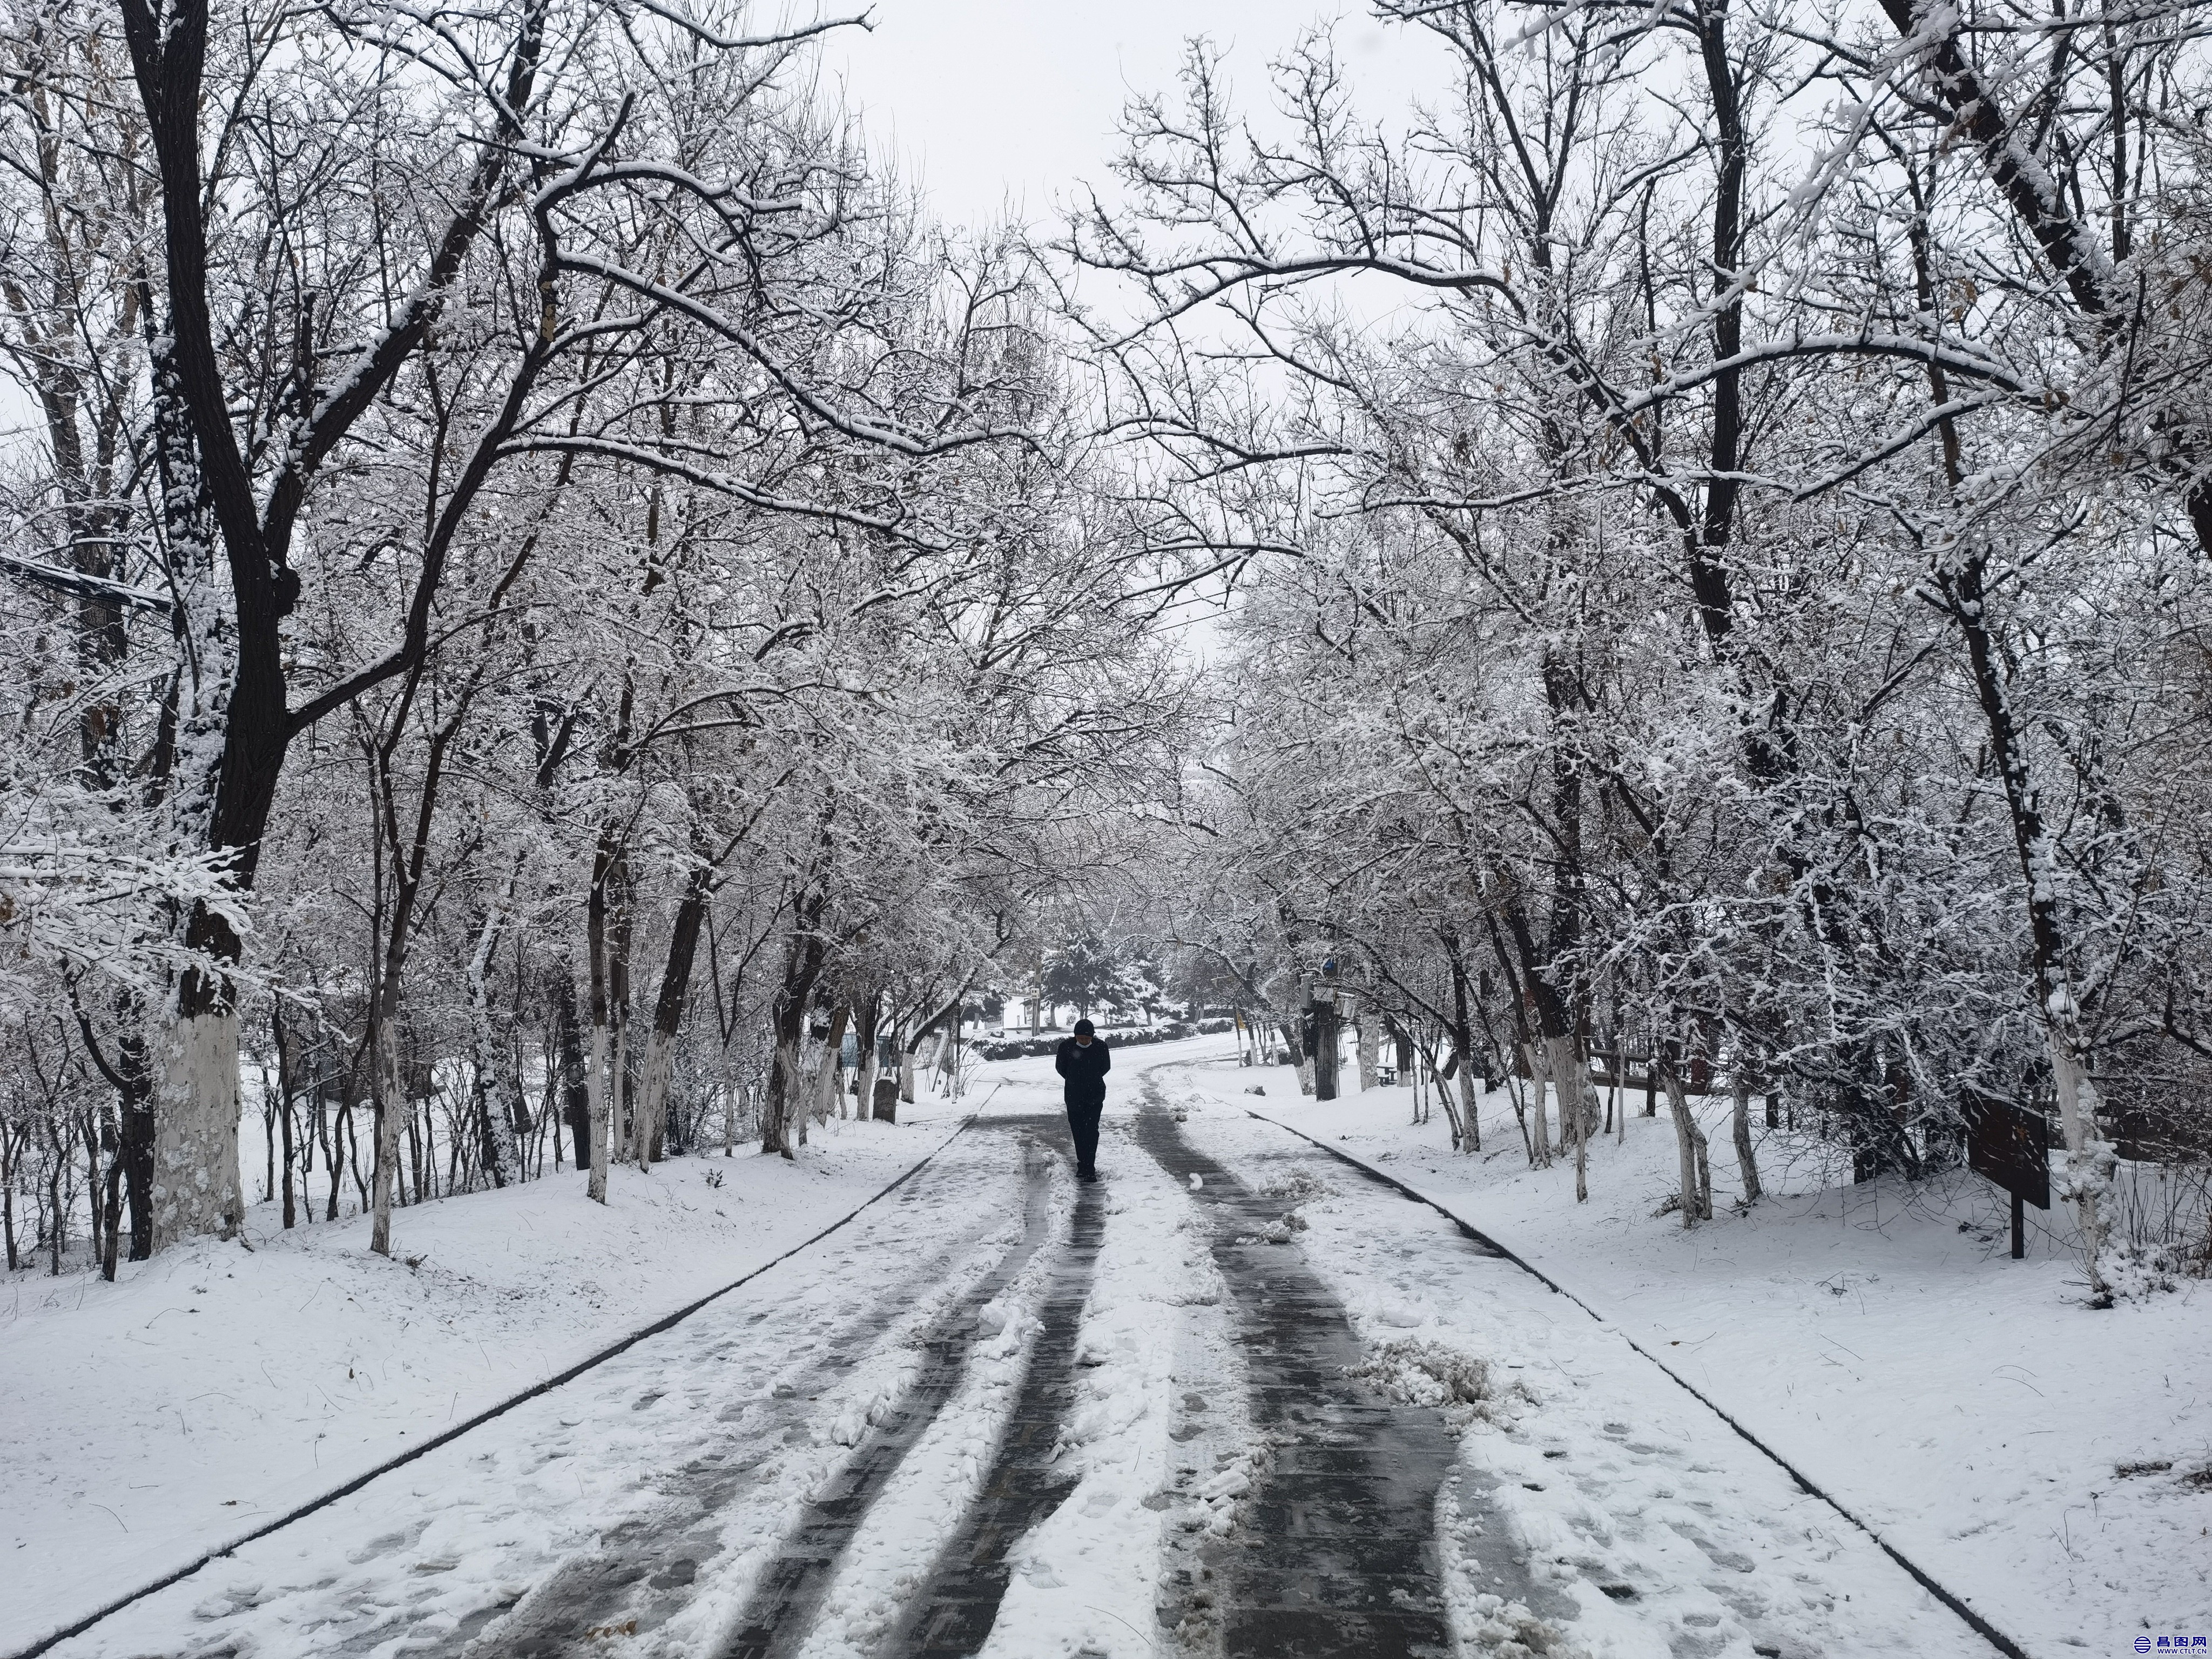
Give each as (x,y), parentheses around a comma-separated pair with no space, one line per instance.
(953,1615)
(644,1570)
(1336,1555)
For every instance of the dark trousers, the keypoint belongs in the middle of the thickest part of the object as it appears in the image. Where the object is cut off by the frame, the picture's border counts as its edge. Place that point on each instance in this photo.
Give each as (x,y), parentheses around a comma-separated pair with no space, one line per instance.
(1083,1124)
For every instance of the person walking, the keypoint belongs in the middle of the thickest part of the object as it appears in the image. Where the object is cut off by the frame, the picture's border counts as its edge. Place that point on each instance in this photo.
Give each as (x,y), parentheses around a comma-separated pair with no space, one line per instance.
(1082,1061)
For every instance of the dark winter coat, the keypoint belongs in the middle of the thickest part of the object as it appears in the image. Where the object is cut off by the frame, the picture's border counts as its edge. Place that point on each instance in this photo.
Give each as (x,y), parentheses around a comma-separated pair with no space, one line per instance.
(1085,1071)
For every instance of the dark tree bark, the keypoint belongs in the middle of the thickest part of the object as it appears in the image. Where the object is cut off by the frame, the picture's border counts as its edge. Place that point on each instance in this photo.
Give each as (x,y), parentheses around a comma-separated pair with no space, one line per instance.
(575,1097)
(668,1013)
(1326,1058)
(285,1092)
(803,957)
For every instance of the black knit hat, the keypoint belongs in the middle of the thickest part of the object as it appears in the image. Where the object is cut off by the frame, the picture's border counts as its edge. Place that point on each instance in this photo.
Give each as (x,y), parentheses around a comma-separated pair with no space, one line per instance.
(1084,1027)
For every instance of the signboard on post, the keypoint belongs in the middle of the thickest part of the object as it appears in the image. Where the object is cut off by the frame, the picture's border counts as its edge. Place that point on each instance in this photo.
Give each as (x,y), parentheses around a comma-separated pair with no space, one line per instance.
(2008,1145)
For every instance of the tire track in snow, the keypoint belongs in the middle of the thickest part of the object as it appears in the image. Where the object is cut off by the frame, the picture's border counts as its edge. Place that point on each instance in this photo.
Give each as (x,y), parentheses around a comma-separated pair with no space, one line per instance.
(397,1587)
(646,1569)
(953,1615)
(781,1610)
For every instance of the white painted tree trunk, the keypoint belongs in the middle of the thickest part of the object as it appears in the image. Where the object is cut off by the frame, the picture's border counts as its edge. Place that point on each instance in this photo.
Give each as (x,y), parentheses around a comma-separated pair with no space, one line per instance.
(1690,1147)
(1539,1125)
(1451,1113)
(2090,1159)
(1745,1165)
(652,1105)
(863,1104)
(1371,1049)
(595,1087)
(1577,1105)
(499,1113)
(196,1186)
(905,1077)
(391,1117)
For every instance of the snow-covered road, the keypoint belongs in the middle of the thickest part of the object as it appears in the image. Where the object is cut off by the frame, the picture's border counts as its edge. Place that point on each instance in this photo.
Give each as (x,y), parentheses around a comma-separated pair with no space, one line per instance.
(1237,1399)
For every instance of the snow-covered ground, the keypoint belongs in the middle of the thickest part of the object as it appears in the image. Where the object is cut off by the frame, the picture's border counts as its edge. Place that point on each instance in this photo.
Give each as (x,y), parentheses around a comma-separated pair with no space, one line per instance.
(2051,1464)
(219,1385)
(805,1449)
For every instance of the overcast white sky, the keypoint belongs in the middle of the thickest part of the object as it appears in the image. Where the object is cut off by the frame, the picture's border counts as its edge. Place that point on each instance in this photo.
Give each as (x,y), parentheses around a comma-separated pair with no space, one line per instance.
(999,104)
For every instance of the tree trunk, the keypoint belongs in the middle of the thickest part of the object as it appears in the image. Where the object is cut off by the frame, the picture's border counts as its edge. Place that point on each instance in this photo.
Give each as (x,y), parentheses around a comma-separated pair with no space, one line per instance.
(1463,1043)
(1370,1048)
(668,1017)
(595,1077)
(135,1134)
(89,1128)
(1689,1145)
(1539,1152)
(391,1109)
(622,1098)
(1294,1043)
(1328,1060)
(2090,1159)
(56,1218)
(602,1129)
(1745,1163)
(1441,1078)
(803,958)
(114,1217)
(1570,1083)
(865,1037)
(575,1092)
(336,1161)
(284,1092)
(195,1188)
(833,1057)
(784,1090)
(502,1153)
(11,1144)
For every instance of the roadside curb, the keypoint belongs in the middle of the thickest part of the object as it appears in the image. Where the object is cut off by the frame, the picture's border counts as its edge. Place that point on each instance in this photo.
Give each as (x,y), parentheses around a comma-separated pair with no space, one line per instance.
(621,1346)
(1989,1632)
